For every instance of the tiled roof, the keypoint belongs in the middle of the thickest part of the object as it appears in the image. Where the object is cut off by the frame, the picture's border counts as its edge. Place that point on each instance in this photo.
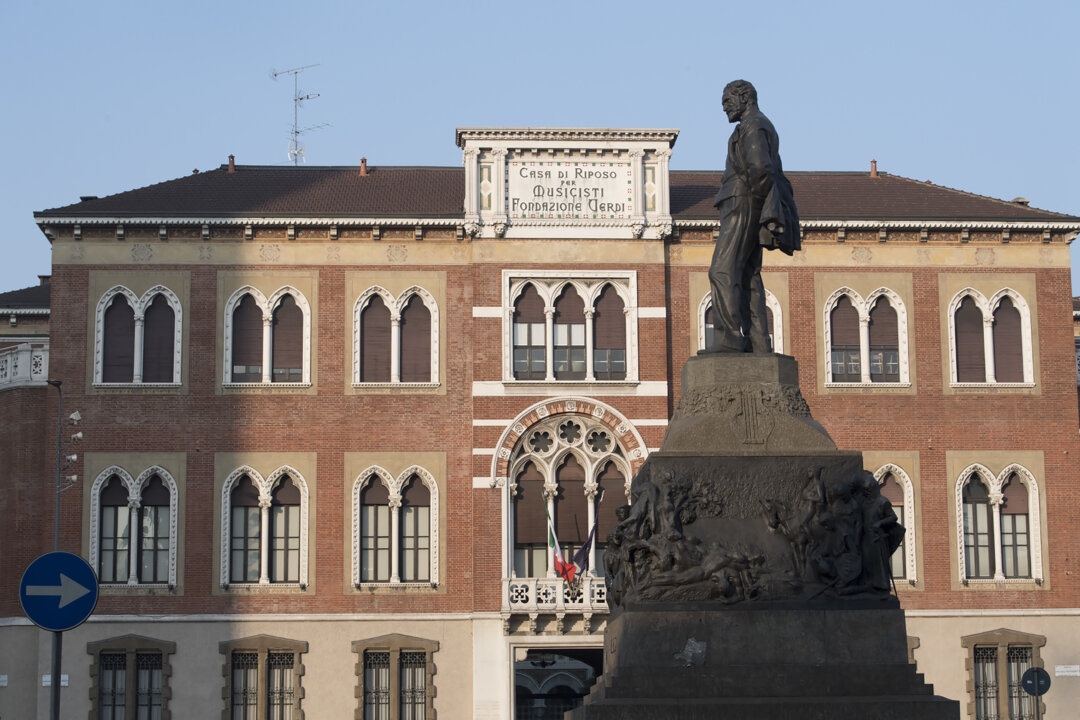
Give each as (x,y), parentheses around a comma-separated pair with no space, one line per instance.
(439,192)
(31,297)
(858,196)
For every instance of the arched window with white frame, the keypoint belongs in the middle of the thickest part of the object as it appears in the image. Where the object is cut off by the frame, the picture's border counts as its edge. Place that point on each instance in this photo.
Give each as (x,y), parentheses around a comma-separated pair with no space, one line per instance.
(396,338)
(395,528)
(267,339)
(896,486)
(138,339)
(998,525)
(774,321)
(990,339)
(133,527)
(865,338)
(575,326)
(264,528)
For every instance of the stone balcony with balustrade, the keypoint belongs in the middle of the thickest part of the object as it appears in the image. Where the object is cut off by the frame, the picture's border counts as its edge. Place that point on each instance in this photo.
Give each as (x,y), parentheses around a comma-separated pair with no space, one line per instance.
(24,365)
(554,606)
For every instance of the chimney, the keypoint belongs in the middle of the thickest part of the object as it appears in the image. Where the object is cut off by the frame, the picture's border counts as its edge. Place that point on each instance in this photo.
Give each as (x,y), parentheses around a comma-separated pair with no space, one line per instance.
(232,163)
(873,168)
(363,166)
(195,171)
(43,280)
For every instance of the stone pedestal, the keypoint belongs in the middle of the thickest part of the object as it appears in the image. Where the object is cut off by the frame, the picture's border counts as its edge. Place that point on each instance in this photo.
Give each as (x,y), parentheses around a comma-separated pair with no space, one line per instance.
(749,575)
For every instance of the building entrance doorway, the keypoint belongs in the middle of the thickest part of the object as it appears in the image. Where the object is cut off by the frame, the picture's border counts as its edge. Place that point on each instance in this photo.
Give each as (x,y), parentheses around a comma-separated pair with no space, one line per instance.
(550,681)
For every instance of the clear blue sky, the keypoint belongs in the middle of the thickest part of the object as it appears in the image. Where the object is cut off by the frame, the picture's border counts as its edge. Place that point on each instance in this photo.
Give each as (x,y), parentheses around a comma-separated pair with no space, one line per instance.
(103,97)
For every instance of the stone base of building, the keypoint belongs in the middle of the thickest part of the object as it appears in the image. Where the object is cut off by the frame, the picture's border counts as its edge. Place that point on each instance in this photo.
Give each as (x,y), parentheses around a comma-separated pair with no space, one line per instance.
(692,661)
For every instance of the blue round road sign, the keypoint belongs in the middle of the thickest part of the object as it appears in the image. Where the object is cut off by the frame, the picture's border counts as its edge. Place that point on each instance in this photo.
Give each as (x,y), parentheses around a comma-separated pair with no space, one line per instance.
(58,591)
(1035,681)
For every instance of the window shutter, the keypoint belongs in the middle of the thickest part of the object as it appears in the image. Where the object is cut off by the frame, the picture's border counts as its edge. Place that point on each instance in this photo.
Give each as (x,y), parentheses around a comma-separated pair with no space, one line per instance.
(114,492)
(416,342)
(287,341)
(1016,497)
(611,493)
(768,320)
(247,339)
(374,493)
(244,494)
(610,321)
(285,492)
(375,342)
(891,491)
(884,331)
(529,307)
(1008,343)
(155,492)
(570,308)
(159,325)
(118,355)
(845,324)
(530,516)
(571,505)
(416,493)
(970,357)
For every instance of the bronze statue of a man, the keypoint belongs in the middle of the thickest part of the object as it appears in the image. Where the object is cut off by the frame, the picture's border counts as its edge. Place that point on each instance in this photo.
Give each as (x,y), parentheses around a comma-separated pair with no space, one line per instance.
(757,210)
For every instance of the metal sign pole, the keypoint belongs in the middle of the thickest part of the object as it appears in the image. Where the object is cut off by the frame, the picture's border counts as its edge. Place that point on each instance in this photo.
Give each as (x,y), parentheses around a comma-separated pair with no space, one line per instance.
(58,641)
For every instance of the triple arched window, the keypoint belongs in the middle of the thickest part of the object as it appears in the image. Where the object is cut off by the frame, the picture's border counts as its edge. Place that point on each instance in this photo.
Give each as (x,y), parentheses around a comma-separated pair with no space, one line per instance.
(138,338)
(570,327)
(267,339)
(396,338)
(866,339)
(264,528)
(395,527)
(990,338)
(568,474)
(133,526)
(998,525)
(774,318)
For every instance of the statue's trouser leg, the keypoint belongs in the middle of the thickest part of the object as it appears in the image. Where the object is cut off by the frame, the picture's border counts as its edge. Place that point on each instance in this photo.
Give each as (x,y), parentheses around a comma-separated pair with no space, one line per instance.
(727,276)
(756,318)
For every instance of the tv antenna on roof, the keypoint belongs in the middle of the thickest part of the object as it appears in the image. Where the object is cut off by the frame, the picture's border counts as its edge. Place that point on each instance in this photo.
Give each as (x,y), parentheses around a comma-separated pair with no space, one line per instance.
(296,150)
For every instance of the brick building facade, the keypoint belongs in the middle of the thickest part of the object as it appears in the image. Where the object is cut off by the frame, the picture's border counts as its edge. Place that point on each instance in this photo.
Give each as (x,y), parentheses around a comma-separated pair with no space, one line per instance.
(324,410)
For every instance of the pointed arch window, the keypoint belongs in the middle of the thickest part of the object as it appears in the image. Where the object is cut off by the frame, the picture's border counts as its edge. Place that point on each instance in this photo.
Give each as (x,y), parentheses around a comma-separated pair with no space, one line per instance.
(891,491)
(287,342)
(845,357)
(264,528)
(133,527)
(1001,518)
(530,524)
(267,340)
(569,340)
(396,339)
(375,341)
(395,527)
(884,342)
(415,542)
(115,532)
(529,336)
(138,338)
(609,322)
(866,339)
(285,532)
(990,339)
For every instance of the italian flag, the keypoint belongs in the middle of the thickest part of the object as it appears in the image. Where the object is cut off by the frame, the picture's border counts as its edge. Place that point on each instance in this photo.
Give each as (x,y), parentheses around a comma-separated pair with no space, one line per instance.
(565,570)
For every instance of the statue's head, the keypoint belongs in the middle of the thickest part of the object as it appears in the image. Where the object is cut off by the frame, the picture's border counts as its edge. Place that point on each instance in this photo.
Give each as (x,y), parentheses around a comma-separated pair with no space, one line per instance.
(738,95)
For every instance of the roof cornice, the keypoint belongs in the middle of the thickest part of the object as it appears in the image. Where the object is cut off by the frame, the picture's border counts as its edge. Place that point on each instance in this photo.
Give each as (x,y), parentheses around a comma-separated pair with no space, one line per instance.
(563,134)
(195,220)
(909,224)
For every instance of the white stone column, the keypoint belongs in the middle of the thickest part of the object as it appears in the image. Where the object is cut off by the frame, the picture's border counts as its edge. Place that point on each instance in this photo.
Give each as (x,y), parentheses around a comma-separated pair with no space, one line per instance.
(395,538)
(395,347)
(268,326)
(663,190)
(590,492)
(995,502)
(988,348)
(264,541)
(864,349)
(137,367)
(549,498)
(133,541)
(549,342)
(590,374)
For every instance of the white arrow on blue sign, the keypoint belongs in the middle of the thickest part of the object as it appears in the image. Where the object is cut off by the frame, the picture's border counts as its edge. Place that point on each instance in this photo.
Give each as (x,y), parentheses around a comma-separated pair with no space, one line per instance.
(58,591)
